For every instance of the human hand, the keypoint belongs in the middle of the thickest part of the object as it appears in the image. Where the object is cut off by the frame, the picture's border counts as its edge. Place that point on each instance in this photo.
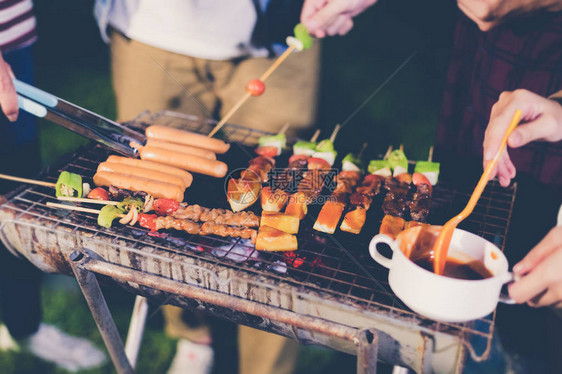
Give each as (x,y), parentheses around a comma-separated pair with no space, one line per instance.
(489,13)
(8,95)
(543,121)
(541,278)
(331,17)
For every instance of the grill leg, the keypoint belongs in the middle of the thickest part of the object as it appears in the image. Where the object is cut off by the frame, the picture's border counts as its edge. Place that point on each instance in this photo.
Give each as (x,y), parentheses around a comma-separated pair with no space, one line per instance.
(367,350)
(136,329)
(94,297)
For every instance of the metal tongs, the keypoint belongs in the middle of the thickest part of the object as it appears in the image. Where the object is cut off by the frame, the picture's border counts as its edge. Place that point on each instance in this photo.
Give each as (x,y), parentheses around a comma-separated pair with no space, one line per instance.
(79,120)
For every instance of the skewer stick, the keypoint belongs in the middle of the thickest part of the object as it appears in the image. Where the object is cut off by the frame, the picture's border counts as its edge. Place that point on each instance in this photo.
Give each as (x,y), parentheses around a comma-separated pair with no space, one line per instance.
(73,207)
(363,147)
(315,136)
(388,151)
(25,180)
(335,133)
(247,95)
(284,128)
(430,157)
(90,201)
(401,147)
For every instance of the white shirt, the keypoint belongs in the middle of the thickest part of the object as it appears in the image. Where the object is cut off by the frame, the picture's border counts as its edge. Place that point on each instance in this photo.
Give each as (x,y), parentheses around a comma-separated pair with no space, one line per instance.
(210,29)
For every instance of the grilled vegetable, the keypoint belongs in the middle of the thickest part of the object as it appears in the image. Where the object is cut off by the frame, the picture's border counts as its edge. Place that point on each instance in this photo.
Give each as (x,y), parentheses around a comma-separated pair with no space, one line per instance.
(129,203)
(272,239)
(280,221)
(392,226)
(268,143)
(69,185)
(107,214)
(329,217)
(398,162)
(351,163)
(301,33)
(242,193)
(164,207)
(304,148)
(98,193)
(148,221)
(379,167)
(325,150)
(429,169)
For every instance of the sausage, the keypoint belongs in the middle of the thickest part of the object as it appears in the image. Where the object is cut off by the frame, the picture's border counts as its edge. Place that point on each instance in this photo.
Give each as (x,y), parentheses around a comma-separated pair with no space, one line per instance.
(195,151)
(169,134)
(187,162)
(184,175)
(130,182)
(141,172)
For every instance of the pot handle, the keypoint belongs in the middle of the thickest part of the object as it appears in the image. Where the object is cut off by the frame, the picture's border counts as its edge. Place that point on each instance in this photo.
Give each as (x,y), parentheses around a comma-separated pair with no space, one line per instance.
(376,255)
(508,278)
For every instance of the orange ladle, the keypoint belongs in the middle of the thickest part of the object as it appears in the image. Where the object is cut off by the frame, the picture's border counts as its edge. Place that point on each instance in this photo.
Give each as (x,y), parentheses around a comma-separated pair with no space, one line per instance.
(441,245)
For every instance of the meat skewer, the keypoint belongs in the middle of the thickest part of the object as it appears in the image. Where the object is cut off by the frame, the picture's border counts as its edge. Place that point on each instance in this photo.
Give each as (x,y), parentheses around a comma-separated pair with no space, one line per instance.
(155,223)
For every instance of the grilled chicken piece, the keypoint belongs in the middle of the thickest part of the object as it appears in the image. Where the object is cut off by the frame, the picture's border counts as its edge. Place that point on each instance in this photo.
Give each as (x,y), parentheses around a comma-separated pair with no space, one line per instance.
(392,226)
(354,220)
(272,239)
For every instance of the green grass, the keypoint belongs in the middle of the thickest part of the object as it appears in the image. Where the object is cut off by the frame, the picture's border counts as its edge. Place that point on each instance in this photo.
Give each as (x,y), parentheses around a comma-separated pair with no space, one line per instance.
(72,63)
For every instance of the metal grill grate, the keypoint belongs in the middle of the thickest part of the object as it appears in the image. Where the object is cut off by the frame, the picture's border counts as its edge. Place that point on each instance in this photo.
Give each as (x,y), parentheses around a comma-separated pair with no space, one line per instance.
(319,267)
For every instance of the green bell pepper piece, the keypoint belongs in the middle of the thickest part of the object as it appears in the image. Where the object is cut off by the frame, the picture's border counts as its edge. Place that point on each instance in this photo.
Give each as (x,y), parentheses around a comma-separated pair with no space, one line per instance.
(350,157)
(107,214)
(303,144)
(426,166)
(375,165)
(128,202)
(325,146)
(397,158)
(273,140)
(69,185)
(301,33)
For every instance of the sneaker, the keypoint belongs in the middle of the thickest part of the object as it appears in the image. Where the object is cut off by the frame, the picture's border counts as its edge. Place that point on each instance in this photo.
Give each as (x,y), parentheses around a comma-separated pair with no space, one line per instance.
(7,343)
(192,358)
(53,345)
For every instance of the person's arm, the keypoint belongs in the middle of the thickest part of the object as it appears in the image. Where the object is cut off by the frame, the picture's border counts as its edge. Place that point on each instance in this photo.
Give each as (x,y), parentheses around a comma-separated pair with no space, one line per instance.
(541,120)
(541,274)
(331,17)
(8,95)
(489,13)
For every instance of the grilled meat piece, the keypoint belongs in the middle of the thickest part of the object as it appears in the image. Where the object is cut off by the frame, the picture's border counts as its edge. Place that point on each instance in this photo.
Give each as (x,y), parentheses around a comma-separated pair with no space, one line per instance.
(219,216)
(394,205)
(396,187)
(119,194)
(419,208)
(207,228)
(359,199)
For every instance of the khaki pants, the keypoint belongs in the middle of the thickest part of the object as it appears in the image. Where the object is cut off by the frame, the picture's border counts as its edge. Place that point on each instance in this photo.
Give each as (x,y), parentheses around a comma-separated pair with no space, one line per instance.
(148,78)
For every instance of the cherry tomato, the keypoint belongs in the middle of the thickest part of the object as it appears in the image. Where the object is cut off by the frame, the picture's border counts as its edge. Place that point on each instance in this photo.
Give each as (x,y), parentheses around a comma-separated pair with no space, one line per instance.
(163,207)
(267,151)
(298,157)
(255,87)
(318,163)
(148,221)
(98,193)
(419,178)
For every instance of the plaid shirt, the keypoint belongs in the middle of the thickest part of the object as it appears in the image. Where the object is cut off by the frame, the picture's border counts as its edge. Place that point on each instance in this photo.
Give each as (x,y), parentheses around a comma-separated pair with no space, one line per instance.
(524,54)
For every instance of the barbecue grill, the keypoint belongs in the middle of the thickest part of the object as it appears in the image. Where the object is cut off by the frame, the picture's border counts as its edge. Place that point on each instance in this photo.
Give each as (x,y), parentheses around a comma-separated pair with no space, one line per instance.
(329,292)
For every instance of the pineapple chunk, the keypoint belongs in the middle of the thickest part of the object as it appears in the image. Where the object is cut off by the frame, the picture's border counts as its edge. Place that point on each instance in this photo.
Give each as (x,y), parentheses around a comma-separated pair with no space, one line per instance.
(271,239)
(280,221)
(297,205)
(273,201)
(329,217)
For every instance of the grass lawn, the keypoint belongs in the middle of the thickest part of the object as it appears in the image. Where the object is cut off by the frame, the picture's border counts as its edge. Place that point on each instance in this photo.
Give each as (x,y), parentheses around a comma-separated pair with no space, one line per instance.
(72,62)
